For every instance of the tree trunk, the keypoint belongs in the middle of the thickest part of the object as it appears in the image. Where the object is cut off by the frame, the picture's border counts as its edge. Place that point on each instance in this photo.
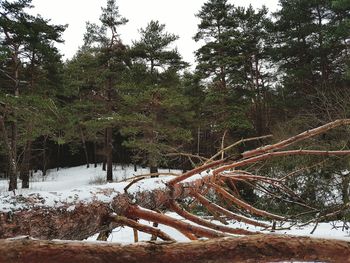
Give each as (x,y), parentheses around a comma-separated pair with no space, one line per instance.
(104,163)
(11,157)
(84,147)
(58,156)
(26,165)
(345,187)
(109,154)
(259,248)
(95,154)
(153,170)
(44,166)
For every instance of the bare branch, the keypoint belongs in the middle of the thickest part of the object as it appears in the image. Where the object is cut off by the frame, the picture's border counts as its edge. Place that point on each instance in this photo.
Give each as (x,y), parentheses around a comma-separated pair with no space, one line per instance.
(300,137)
(143,228)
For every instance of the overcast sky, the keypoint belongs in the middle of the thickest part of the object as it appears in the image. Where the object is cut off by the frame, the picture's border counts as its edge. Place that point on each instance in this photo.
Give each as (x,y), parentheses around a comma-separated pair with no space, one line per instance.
(178,15)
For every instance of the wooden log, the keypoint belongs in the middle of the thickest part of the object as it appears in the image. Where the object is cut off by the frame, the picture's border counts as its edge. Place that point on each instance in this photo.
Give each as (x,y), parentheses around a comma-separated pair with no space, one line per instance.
(257,248)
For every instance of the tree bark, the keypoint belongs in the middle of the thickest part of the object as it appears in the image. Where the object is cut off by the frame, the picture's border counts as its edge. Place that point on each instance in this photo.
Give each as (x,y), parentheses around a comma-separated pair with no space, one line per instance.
(44,160)
(259,248)
(109,154)
(57,223)
(11,157)
(26,165)
(83,141)
(95,154)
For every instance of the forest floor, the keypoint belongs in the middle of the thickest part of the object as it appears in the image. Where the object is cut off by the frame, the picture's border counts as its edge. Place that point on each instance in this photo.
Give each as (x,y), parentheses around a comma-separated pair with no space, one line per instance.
(69,185)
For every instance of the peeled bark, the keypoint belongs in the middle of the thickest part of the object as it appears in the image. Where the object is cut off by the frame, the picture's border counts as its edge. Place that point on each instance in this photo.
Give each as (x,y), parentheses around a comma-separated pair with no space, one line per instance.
(258,248)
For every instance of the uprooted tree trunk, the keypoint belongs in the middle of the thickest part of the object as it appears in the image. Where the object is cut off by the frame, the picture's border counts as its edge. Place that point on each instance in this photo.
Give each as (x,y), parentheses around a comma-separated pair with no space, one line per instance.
(126,208)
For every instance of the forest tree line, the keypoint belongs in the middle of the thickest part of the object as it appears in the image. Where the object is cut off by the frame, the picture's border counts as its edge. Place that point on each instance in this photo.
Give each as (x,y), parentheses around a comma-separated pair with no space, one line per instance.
(256,73)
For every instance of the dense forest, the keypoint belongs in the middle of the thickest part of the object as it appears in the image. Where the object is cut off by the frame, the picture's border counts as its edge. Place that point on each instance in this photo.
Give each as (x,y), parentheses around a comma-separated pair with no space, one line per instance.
(257,73)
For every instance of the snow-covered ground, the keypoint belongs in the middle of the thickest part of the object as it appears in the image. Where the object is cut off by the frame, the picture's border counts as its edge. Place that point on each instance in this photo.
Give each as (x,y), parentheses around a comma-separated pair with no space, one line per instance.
(67,185)
(84,184)
(77,177)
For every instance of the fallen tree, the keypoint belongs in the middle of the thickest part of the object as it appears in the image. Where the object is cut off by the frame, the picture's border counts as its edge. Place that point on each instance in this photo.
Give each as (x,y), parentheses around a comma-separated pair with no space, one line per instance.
(214,177)
(258,248)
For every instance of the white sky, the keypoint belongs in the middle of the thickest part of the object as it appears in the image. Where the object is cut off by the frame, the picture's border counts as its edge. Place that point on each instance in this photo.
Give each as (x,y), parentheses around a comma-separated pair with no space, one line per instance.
(178,15)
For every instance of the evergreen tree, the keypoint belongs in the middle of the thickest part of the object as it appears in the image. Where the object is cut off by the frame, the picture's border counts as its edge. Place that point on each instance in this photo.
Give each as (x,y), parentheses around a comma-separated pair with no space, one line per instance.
(254,66)
(310,46)
(154,48)
(104,42)
(217,30)
(29,57)
(155,106)
(219,59)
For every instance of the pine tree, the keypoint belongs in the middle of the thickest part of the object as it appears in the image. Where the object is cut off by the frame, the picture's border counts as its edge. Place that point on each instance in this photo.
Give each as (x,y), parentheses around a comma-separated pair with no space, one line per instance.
(219,60)
(104,42)
(154,48)
(310,47)
(217,30)
(254,66)
(155,106)
(26,42)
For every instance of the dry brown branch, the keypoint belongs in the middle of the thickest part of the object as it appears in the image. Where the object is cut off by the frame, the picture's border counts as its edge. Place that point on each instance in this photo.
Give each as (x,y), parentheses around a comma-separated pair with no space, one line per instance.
(212,206)
(236,144)
(201,158)
(223,144)
(136,212)
(182,212)
(327,216)
(302,169)
(133,182)
(148,176)
(244,205)
(261,188)
(195,171)
(143,228)
(266,156)
(252,177)
(300,137)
